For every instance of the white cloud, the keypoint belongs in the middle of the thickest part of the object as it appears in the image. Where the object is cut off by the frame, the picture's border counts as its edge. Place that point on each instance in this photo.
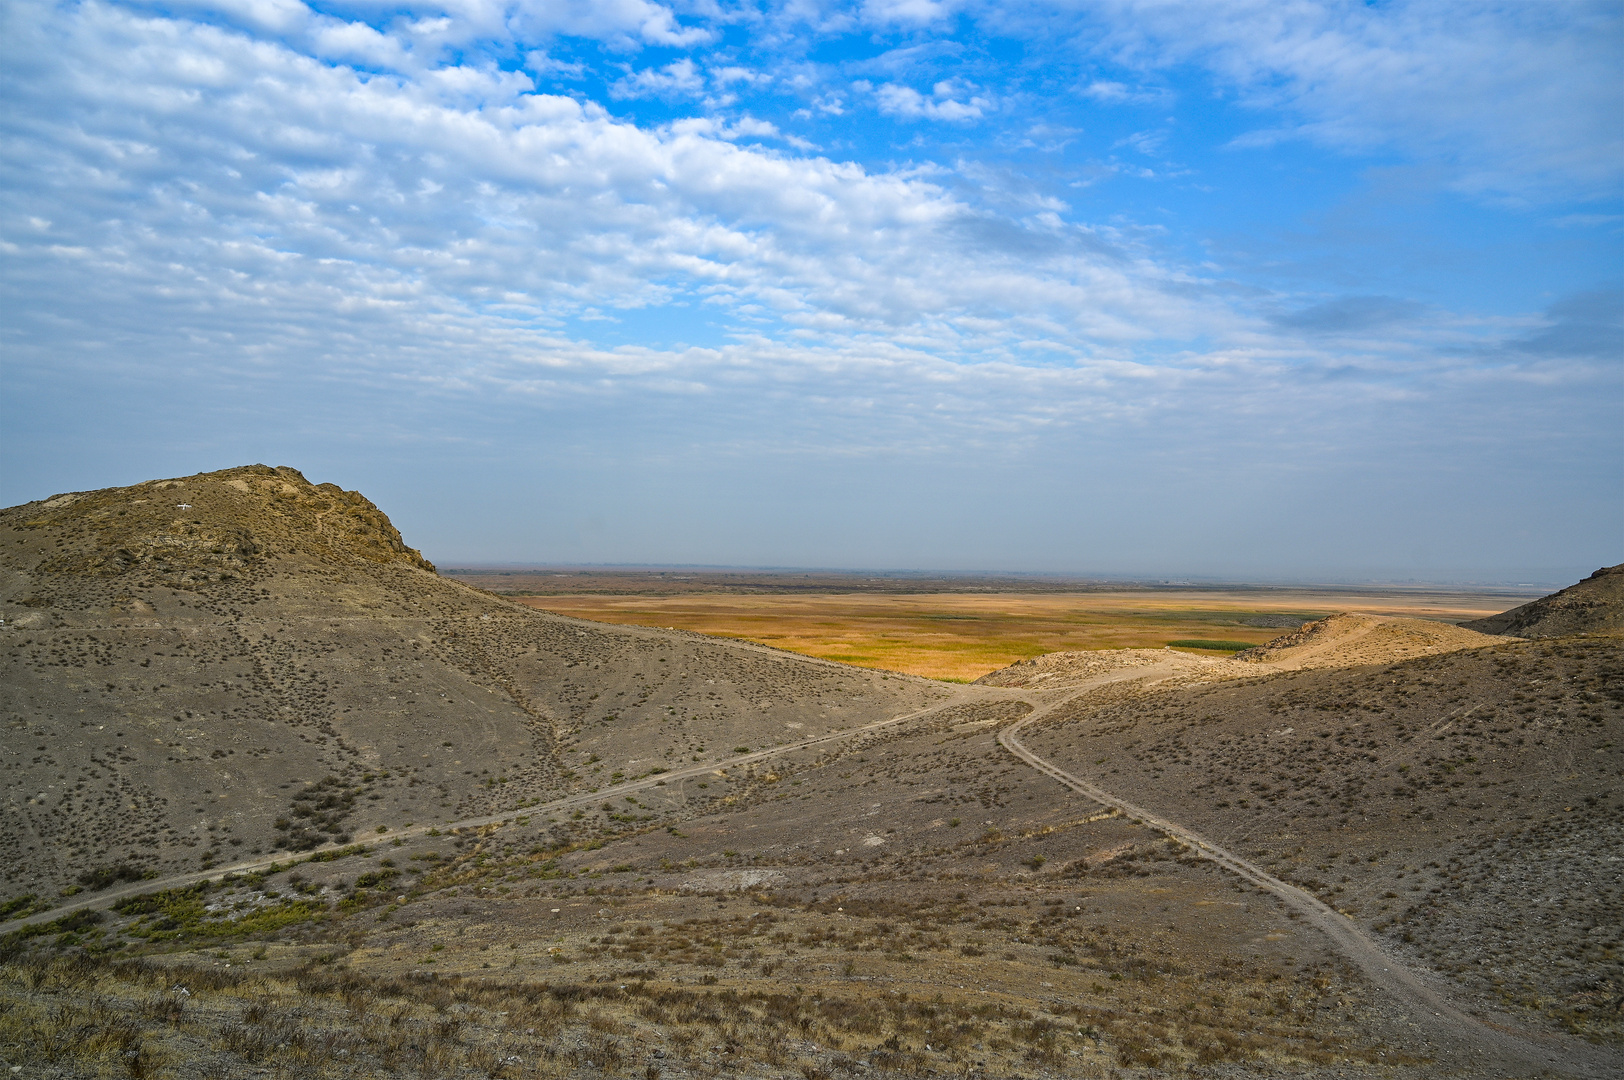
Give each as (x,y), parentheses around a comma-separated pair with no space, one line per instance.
(909,104)
(1518,99)
(542,64)
(685,78)
(1048,137)
(356,43)
(830,104)
(1407,75)
(749,126)
(219,205)
(435,25)
(1148,143)
(275,16)
(1106,91)
(732,74)
(1116,93)
(618,21)
(907,12)
(269,174)
(679,77)
(235,174)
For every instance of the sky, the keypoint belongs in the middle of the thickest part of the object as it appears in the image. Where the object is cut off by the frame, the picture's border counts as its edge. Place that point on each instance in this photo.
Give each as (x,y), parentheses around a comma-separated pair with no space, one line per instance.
(1273,290)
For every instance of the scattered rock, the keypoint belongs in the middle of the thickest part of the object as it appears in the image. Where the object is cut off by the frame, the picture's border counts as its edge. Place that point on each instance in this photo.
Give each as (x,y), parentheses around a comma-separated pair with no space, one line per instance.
(1592,606)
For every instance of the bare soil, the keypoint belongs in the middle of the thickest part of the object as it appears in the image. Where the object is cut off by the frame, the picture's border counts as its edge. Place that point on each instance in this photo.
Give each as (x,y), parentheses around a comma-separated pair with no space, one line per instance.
(1592,606)
(477,840)
(1467,807)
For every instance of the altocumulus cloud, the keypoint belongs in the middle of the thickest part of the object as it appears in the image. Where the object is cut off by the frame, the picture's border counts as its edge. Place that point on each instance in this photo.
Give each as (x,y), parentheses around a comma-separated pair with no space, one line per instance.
(451,203)
(206,171)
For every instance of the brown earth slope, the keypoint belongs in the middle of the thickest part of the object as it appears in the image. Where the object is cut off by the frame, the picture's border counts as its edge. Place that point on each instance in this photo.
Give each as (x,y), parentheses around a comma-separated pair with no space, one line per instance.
(1467,806)
(198,669)
(1592,606)
(903,903)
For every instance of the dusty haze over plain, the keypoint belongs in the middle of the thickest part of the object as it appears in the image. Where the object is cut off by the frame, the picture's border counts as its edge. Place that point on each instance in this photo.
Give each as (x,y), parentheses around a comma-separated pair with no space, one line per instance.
(1323,291)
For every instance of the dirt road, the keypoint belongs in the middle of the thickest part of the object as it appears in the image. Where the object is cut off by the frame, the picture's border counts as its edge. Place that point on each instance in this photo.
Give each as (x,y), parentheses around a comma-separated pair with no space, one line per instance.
(1464,1044)
(586,798)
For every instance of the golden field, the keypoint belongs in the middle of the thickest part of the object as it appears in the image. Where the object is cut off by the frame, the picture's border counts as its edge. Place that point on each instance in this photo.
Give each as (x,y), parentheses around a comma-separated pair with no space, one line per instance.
(962,636)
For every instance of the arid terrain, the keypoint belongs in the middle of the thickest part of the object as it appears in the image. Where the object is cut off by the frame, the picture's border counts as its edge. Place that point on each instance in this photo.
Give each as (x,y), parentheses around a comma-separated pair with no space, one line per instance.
(960,628)
(283,801)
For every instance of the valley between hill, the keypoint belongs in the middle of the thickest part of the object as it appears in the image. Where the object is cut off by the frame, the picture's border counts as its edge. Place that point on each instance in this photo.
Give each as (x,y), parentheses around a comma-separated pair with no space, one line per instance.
(477,840)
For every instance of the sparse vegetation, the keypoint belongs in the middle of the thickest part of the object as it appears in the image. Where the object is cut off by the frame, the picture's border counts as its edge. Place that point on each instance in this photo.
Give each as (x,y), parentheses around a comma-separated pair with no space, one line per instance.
(954,631)
(1421,798)
(584,873)
(1211,645)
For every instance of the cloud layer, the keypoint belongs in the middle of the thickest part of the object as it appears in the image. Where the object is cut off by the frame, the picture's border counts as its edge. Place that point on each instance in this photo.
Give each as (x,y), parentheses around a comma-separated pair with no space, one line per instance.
(674,229)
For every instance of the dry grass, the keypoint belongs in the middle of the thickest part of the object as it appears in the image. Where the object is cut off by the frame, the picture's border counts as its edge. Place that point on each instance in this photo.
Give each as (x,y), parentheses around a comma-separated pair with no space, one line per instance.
(326,1018)
(964,636)
(1064,942)
(1465,806)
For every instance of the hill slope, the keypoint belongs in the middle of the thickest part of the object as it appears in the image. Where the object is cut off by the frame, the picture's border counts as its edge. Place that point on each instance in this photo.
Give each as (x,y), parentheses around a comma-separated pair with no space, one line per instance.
(1348,640)
(197,669)
(1592,606)
(1463,805)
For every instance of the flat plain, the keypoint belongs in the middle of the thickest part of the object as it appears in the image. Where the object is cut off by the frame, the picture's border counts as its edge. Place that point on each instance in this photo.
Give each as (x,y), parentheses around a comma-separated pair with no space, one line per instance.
(961,629)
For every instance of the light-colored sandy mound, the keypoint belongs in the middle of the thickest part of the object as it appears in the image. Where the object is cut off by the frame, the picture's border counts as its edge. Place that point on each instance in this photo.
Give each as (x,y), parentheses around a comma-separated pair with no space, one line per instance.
(1348,640)
(1062,670)
(1593,606)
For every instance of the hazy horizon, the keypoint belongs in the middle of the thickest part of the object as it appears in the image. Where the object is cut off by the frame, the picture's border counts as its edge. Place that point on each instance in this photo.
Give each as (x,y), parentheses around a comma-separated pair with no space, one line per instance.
(1559,577)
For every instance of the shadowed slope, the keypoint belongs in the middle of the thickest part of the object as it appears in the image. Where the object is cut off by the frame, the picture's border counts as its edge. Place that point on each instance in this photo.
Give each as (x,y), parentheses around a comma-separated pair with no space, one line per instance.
(1592,606)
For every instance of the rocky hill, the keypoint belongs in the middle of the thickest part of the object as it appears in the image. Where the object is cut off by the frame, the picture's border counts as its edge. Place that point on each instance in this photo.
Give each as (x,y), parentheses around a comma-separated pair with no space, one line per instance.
(1593,606)
(199,669)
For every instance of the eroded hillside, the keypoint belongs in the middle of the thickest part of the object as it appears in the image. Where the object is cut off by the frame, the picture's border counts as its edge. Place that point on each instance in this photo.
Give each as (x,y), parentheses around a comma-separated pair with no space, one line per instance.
(1592,606)
(199,670)
(1468,807)
(678,857)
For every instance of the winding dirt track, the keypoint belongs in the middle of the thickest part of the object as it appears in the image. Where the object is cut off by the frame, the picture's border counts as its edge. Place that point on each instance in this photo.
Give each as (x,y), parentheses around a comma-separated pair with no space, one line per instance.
(1466,1044)
(585,798)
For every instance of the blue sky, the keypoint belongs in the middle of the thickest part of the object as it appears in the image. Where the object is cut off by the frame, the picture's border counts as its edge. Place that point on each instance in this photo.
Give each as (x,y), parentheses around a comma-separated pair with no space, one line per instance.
(1258,290)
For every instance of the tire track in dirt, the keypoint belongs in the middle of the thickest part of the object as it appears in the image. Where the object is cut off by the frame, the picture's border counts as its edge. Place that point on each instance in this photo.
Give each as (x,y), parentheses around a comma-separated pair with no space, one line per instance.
(105,899)
(1465,1043)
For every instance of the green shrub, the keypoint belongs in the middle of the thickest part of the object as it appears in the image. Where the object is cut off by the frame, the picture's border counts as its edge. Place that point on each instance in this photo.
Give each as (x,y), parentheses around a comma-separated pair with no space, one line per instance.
(103,876)
(20,906)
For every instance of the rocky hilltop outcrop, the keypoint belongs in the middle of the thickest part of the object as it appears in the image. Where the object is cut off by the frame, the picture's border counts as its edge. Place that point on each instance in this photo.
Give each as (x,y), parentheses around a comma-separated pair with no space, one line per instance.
(1592,606)
(217,526)
(1348,639)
